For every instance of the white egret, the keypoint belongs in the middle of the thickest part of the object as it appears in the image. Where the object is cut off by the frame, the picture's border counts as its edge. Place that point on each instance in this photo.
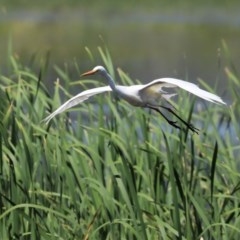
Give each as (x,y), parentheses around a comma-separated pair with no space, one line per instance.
(147,96)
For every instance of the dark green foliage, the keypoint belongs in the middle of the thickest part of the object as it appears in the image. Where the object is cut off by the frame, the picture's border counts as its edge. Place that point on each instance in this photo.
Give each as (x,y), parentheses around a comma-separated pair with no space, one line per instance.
(113,171)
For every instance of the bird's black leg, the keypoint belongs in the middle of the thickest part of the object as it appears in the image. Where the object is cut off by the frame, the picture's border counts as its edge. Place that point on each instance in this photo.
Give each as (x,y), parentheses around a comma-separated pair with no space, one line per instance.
(190,126)
(173,123)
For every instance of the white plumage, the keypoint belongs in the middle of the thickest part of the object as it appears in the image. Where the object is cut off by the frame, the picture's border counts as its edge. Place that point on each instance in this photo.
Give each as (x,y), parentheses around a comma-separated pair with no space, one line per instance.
(148,95)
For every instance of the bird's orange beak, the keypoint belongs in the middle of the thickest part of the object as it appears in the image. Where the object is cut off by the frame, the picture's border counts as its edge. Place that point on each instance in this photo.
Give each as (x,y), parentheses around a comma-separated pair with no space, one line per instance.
(88,73)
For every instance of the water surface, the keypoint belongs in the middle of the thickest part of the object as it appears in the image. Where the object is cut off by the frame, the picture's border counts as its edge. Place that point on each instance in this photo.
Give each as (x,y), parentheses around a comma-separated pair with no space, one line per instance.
(146,44)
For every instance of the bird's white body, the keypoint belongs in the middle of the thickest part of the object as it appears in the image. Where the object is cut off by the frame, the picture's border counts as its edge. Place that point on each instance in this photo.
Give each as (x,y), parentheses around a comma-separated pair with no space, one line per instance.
(148,95)
(130,94)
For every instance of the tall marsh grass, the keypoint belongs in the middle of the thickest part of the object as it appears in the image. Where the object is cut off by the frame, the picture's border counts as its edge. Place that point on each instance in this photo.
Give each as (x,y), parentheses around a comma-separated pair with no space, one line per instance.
(107,170)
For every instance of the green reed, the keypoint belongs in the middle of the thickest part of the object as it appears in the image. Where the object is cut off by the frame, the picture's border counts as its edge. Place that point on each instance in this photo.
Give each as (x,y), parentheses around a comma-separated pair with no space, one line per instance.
(107,170)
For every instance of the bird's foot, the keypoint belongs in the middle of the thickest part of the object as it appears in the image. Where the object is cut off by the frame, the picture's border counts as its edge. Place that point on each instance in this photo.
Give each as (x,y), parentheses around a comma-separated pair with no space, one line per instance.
(193,129)
(174,123)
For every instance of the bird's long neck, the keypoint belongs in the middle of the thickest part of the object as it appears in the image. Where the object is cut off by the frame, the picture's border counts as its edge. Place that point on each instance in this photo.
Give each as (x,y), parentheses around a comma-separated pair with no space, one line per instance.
(110,81)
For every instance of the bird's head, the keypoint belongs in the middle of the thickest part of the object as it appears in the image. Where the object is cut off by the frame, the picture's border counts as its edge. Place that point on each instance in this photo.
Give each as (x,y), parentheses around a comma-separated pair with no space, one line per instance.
(97,69)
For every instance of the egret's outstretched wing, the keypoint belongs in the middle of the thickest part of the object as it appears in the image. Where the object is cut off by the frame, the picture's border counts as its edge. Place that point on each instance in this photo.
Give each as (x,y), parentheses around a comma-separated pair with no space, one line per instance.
(81,97)
(158,84)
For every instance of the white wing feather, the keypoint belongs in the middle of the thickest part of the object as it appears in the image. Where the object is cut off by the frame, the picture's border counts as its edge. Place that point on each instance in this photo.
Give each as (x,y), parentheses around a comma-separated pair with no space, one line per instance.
(81,97)
(190,87)
(147,91)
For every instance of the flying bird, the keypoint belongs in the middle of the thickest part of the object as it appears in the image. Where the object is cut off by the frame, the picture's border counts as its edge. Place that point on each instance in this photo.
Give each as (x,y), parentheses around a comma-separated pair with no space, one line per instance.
(146,96)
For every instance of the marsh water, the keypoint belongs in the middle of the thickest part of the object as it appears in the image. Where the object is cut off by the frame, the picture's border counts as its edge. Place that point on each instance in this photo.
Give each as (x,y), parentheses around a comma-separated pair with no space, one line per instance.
(181,43)
(146,44)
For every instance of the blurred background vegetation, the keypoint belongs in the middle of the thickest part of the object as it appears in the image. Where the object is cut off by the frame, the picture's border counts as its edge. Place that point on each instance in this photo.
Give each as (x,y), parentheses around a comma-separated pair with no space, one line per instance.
(123,4)
(79,178)
(148,39)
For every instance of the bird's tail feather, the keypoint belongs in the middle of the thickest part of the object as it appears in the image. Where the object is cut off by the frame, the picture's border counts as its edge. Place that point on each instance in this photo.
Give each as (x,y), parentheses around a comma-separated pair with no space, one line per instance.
(168,96)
